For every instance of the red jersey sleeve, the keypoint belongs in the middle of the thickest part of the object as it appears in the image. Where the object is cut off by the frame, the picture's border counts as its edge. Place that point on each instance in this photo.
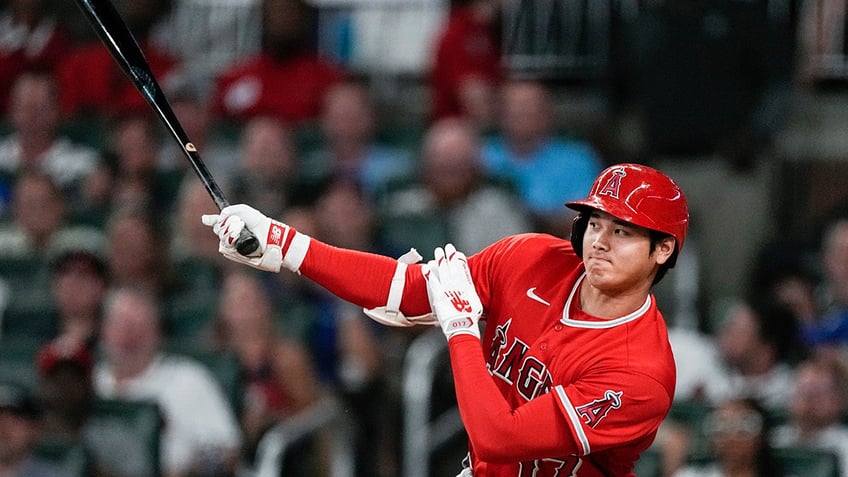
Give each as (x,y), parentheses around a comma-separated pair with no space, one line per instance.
(534,430)
(613,408)
(363,278)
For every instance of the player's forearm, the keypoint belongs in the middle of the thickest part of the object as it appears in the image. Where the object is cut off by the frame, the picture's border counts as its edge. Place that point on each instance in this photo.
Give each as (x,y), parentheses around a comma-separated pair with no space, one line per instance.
(362,278)
(498,433)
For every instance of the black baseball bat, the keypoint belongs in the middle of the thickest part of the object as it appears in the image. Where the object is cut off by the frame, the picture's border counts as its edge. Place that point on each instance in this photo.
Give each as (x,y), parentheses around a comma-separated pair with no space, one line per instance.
(115,34)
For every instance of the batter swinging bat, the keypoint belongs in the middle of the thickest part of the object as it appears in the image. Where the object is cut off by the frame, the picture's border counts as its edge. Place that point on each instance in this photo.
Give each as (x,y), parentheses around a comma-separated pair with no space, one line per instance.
(113,32)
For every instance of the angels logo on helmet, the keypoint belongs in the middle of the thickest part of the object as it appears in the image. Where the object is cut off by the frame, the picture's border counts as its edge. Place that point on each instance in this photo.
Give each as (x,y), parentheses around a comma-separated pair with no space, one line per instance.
(613,184)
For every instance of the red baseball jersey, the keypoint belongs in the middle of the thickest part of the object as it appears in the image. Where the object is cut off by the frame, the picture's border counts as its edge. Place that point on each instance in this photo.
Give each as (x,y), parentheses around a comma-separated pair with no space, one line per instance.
(581,396)
(291,91)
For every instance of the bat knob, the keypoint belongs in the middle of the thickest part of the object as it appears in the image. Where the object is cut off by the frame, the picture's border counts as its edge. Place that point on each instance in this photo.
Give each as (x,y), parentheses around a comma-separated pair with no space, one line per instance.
(247,243)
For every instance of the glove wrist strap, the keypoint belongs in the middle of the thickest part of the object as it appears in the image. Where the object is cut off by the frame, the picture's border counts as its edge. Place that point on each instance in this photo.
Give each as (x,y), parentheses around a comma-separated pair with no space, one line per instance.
(293,247)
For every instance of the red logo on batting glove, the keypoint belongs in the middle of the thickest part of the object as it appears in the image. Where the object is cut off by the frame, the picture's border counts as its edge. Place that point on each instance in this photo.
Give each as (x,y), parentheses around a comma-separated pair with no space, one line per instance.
(458,302)
(275,235)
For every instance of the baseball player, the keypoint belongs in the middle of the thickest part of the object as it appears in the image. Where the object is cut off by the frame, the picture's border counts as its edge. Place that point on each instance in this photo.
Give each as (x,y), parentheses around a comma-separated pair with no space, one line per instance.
(573,372)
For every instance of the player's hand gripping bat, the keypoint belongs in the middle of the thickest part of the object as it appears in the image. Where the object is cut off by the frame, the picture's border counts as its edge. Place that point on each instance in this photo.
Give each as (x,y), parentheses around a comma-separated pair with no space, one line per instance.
(115,34)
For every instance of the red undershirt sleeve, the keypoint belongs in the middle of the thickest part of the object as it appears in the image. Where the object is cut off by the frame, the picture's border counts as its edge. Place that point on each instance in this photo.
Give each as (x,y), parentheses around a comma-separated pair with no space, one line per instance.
(363,278)
(498,433)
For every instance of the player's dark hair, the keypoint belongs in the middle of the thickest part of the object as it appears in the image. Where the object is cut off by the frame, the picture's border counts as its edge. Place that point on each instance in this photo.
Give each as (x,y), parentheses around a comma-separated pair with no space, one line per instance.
(656,238)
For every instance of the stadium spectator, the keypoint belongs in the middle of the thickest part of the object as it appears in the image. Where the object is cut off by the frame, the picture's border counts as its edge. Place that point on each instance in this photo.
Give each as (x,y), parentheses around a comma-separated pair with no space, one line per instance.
(790,272)
(189,245)
(28,234)
(78,282)
(279,377)
(545,168)
(143,265)
(190,102)
(35,142)
(453,194)
(77,438)
(287,79)
(826,331)
(200,430)
(138,178)
(94,88)
(31,38)
(38,225)
(349,148)
(20,416)
(268,164)
(816,410)
(196,264)
(65,390)
(708,77)
(466,67)
(708,86)
(759,342)
(739,433)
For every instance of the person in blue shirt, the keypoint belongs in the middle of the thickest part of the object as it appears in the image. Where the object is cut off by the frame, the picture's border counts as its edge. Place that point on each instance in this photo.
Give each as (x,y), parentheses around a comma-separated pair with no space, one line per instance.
(545,169)
(829,329)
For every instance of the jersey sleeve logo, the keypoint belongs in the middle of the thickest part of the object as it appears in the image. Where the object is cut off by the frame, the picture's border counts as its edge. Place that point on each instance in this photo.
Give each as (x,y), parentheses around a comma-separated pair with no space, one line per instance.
(594,412)
(613,185)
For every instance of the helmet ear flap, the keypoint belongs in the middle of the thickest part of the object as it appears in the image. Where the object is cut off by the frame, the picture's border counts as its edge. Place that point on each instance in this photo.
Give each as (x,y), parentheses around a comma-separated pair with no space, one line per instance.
(578,229)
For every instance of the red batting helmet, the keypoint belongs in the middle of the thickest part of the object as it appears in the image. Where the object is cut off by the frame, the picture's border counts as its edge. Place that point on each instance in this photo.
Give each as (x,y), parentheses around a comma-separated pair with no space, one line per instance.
(639,195)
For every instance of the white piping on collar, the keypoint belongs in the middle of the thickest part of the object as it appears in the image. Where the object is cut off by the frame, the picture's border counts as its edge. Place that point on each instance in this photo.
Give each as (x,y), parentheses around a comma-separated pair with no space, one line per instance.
(566,320)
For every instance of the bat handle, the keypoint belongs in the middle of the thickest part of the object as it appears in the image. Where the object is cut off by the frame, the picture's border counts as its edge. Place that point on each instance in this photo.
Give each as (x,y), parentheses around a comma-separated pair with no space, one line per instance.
(247,243)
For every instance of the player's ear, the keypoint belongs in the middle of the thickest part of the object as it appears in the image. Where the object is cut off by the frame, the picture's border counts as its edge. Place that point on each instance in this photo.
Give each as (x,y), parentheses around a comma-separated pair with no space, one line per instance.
(664,249)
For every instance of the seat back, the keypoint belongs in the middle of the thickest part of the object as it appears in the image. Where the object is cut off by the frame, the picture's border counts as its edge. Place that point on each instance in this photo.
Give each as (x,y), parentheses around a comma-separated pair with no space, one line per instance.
(803,462)
(123,437)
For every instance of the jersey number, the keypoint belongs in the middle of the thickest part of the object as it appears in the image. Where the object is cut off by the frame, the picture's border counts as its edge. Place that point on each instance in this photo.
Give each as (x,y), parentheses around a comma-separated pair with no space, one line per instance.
(549,467)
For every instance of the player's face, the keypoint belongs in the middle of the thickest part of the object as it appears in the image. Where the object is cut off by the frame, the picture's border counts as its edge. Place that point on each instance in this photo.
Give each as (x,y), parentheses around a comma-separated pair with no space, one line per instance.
(617,255)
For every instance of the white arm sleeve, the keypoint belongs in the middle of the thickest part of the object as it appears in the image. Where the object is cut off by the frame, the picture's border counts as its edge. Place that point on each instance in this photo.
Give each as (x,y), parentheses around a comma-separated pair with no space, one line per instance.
(390,314)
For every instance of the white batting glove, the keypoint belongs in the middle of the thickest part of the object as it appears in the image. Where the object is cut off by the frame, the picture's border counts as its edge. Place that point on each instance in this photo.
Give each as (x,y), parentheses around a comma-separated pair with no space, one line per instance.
(279,244)
(453,298)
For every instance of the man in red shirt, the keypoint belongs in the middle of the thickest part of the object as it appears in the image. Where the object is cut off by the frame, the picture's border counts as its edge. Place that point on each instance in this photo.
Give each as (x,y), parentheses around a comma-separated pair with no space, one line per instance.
(287,79)
(574,372)
(466,65)
(31,39)
(91,82)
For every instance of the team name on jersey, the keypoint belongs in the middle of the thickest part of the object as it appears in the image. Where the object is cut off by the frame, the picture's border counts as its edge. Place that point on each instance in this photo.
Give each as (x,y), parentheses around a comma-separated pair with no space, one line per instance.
(510,362)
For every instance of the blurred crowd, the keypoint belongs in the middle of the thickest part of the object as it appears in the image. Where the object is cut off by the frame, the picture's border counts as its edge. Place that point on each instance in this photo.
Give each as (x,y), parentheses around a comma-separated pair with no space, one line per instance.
(113,292)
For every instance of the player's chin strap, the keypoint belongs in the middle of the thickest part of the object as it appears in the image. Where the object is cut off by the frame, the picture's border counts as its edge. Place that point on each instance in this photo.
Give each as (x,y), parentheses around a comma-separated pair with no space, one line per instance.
(390,314)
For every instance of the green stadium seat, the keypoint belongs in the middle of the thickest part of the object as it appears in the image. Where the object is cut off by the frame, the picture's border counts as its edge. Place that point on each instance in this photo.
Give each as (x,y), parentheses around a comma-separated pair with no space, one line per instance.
(17,360)
(691,416)
(649,464)
(802,462)
(422,232)
(123,437)
(71,457)
(35,319)
(189,316)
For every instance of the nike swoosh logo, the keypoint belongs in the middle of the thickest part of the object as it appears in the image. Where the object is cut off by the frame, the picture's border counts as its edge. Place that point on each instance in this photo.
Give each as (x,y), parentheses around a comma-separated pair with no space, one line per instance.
(531,293)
